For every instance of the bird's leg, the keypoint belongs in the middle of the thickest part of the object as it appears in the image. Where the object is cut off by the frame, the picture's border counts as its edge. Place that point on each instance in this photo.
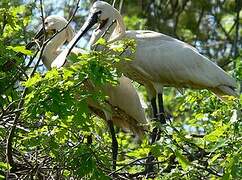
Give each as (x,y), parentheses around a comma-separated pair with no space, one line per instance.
(155,116)
(154,107)
(150,168)
(114,144)
(161,114)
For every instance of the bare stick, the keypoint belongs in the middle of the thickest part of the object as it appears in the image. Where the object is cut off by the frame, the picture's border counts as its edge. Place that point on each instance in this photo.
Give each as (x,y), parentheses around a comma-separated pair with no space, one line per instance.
(114,1)
(137,160)
(121,5)
(69,21)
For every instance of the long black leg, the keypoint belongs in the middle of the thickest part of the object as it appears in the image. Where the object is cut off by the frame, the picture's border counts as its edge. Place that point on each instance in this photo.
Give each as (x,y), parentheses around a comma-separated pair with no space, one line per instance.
(156,132)
(154,107)
(114,144)
(155,116)
(150,168)
(162,117)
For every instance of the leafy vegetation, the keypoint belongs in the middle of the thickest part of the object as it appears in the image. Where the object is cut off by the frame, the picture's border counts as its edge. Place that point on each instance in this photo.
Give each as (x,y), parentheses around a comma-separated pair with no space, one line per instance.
(48,131)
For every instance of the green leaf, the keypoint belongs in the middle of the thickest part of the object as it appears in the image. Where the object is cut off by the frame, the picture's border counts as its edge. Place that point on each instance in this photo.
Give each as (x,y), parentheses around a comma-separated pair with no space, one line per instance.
(117,47)
(156,150)
(101,41)
(213,136)
(214,158)
(20,49)
(4,166)
(32,81)
(67,73)
(182,160)
(53,73)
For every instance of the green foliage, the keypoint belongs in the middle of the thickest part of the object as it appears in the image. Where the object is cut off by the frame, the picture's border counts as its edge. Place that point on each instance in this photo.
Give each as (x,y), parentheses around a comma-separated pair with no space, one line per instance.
(4,166)
(13,21)
(57,135)
(134,22)
(61,99)
(20,49)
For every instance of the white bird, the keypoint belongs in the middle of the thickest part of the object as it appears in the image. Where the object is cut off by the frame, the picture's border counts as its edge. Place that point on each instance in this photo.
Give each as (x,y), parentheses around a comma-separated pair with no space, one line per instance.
(160,60)
(125,108)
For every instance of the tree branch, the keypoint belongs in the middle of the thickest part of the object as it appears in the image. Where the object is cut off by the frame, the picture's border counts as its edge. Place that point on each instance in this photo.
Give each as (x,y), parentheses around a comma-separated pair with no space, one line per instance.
(113,172)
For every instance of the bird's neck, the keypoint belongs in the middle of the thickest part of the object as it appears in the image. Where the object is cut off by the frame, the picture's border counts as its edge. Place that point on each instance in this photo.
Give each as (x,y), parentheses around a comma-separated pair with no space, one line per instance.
(119,31)
(51,50)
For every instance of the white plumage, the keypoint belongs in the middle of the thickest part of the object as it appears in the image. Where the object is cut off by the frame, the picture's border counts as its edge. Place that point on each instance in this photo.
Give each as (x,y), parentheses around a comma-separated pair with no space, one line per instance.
(160,60)
(163,60)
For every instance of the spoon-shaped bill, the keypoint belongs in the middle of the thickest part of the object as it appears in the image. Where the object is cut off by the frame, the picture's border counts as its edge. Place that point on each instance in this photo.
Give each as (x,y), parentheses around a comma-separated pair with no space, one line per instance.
(61,58)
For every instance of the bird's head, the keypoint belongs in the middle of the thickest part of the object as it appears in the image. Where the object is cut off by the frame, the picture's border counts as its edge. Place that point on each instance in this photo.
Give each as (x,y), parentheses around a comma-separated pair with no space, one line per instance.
(52,25)
(104,16)
(108,19)
(101,13)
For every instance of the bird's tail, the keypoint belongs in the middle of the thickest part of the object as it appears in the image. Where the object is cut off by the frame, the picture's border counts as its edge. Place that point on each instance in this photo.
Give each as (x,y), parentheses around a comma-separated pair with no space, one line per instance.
(223,92)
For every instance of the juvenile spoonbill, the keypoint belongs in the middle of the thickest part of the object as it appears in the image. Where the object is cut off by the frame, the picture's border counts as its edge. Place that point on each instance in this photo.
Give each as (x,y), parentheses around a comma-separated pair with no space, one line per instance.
(125,109)
(160,60)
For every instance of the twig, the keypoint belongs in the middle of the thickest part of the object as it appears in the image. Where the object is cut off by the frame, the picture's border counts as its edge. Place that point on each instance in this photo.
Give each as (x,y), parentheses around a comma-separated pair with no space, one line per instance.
(198,25)
(22,71)
(69,21)
(42,17)
(128,165)
(142,164)
(236,39)
(114,1)
(212,171)
(121,5)
(178,16)
(17,76)
(197,135)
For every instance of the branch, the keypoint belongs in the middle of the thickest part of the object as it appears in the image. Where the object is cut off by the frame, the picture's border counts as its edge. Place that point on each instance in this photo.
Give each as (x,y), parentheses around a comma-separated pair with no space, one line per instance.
(121,3)
(4,22)
(178,16)
(128,165)
(222,28)
(69,21)
(236,39)
(42,17)
(210,170)
(198,24)
(114,1)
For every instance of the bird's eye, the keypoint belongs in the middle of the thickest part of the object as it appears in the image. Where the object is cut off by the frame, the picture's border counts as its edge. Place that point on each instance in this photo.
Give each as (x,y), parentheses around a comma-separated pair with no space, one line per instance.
(46,23)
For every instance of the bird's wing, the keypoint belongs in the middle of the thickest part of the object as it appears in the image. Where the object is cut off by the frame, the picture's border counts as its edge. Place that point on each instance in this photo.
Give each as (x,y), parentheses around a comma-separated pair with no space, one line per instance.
(175,63)
(126,98)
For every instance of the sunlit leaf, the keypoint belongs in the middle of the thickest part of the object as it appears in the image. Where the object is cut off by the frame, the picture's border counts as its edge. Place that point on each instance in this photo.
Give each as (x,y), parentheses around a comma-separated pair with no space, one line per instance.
(21,49)
(213,136)
(182,160)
